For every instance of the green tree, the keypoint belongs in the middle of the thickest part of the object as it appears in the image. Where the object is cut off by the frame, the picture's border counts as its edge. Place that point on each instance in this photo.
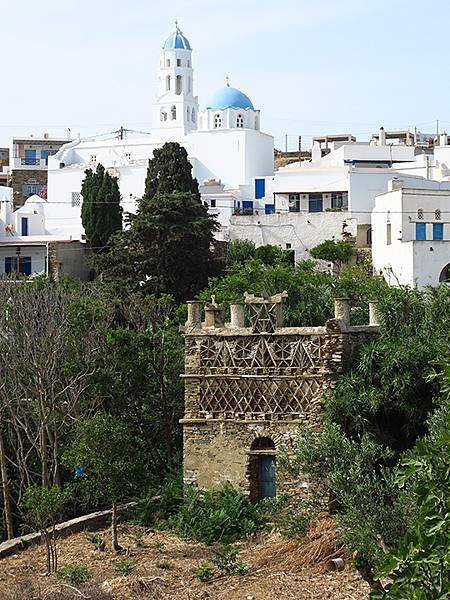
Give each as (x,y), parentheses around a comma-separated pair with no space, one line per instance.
(106,451)
(271,255)
(101,213)
(338,252)
(167,248)
(240,251)
(169,171)
(42,507)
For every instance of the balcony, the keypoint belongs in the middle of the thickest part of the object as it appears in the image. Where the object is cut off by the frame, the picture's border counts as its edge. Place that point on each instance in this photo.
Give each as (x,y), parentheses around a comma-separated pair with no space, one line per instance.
(243,211)
(29,163)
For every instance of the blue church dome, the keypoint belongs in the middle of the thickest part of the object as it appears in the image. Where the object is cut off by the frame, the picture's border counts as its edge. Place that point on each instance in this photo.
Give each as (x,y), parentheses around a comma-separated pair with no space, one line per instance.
(229,97)
(177,40)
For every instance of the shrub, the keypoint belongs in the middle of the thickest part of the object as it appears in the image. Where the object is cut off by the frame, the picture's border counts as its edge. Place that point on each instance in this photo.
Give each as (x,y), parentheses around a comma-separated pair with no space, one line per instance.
(225,559)
(271,255)
(74,574)
(124,566)
(240,251)
(96,540)
(161,502)
(164,564)
(204,572)
(216,516)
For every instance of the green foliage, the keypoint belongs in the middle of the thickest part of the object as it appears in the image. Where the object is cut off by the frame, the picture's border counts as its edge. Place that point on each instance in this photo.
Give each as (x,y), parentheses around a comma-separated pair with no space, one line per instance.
(124,566)
(165,565)
(74,574)
(271,255)
(101,213)
(240,251)
(162,502)
(225,559)
(216,516)
(204,572)
(166,248)
(419,567)
(335,251)
(43,506)
(105,448)
(96,541)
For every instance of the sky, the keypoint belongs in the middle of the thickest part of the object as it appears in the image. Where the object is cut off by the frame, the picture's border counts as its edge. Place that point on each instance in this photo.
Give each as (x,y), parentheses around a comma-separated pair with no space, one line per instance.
(312,67)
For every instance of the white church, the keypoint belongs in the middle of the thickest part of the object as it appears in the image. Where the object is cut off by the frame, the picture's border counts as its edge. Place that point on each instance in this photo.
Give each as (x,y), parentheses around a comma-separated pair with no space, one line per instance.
(223,140)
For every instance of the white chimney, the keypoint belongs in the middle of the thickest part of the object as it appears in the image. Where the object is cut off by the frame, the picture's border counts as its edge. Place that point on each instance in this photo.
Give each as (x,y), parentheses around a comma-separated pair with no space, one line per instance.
(382,137)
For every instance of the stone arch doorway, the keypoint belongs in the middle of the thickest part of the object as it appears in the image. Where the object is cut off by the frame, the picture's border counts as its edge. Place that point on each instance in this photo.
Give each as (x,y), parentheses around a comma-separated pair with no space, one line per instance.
(445,274)
(261,469)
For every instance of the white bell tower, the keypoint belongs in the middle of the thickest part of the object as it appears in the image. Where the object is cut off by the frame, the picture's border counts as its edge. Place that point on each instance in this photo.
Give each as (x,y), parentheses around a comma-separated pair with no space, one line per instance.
(175,110)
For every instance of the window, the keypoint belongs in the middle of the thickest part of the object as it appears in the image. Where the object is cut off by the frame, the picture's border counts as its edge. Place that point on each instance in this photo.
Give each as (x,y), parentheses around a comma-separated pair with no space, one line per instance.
(421,231)
(128,155)
(294,202)
(438,231)
(420,213)
(388,234)
(247,207)
(369,236)
(76,199)
(24,226)
(189,63)
(178,85)
(163,115)
(189,85)
(193,115)
(339,200)
(173,113)
(269,209)
(178,62)
(93,158)
(315,203)
(167,62)
(437,214)
(240,121)
(188,114)
(167,83)
(30,157)
(213,203)
(445,274)
(288,246)
(217,121)
(24,264)
(260,188)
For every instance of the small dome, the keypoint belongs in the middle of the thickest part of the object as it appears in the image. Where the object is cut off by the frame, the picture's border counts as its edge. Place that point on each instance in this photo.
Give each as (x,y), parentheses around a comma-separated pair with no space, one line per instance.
(229,97)
(177,40)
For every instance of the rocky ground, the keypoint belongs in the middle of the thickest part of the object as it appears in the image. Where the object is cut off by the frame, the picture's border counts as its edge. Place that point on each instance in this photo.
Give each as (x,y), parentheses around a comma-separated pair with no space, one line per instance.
(162,568)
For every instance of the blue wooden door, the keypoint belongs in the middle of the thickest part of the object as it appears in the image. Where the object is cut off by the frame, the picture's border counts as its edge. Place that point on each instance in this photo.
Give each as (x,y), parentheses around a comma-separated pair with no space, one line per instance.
(24,225)
(266,476)
(315,203)
(30,156)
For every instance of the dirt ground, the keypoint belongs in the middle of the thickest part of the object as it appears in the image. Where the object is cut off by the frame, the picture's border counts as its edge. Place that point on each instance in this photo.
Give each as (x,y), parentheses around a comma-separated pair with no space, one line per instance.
(164,567)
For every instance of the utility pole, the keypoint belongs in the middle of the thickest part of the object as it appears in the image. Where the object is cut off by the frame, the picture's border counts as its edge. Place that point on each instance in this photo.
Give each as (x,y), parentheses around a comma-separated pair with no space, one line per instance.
(299,149)
(286,142)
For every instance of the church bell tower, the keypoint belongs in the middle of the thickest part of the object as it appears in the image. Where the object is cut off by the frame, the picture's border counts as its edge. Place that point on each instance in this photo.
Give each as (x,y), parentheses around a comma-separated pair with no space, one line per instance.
(175,110)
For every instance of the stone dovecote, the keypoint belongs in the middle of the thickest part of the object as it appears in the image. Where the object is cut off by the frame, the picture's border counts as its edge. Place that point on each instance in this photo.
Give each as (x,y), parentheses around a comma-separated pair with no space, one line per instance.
(251,382)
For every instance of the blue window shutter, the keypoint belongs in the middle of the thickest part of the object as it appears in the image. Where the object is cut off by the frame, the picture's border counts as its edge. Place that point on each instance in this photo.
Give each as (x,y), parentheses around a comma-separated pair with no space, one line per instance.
(269,209)
(260,188)
(24,226)
(438,231)
(421,231)
(25,265)
(8,264)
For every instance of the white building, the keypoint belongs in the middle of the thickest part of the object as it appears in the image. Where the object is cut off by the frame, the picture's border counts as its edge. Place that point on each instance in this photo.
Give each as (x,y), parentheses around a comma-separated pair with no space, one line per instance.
(411,234)
(329,197)
(26,245)
(224,144)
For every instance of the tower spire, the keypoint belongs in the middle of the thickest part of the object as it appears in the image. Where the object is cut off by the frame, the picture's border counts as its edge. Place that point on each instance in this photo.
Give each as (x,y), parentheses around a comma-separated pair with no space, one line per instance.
(227,81)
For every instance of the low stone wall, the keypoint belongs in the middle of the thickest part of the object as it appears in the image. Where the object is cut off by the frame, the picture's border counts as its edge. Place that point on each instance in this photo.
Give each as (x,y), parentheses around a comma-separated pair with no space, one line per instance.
(90,522)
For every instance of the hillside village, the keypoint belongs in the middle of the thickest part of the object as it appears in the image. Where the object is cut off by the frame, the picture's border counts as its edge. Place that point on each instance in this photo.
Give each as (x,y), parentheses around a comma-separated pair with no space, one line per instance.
(225,367)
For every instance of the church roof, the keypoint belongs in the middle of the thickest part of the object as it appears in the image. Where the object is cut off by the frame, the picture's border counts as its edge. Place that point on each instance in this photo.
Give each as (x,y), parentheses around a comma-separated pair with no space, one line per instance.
(229,97)
(177,41)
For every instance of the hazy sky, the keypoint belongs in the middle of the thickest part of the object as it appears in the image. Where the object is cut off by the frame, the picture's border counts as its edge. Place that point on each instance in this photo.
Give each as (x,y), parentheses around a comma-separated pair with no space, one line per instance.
(311,66)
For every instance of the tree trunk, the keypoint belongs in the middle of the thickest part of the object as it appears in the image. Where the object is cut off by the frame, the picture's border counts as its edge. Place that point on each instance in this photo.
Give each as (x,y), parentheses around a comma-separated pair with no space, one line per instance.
(44,458)
(5,490)
(114,540)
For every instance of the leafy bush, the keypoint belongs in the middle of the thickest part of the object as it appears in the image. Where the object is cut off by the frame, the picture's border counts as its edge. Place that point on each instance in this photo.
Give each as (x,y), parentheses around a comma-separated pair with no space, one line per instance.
(271,255)
(225,559)
(204,572)
(335,251)
(96,540)
(216,516)
(161,502)
(74,574)
(240,251)
(124,566)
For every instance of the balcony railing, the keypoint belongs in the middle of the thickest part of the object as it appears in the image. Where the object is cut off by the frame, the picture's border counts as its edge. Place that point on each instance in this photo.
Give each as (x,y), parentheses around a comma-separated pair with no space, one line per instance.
(244,211)
(31,162)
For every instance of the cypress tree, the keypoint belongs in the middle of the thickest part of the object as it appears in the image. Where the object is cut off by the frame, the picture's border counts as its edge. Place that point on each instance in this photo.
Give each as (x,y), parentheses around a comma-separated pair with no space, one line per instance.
(101,213)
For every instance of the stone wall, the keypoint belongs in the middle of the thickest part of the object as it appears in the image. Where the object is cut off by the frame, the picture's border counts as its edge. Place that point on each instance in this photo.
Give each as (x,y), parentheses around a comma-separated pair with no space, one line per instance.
(244,384)
(20,177)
